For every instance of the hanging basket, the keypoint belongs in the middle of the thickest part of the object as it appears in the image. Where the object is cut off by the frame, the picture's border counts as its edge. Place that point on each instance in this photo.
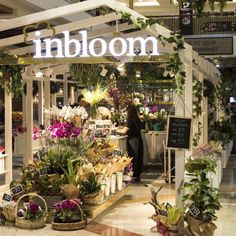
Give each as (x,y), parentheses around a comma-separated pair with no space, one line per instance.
(71,226)
(31,224)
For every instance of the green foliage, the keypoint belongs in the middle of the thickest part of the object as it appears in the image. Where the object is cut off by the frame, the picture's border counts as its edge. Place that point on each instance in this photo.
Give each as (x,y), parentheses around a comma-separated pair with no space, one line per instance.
(174,214)
(118,117)
(70,172)
(89,186)
(67,216)
(200,192)
(11,75)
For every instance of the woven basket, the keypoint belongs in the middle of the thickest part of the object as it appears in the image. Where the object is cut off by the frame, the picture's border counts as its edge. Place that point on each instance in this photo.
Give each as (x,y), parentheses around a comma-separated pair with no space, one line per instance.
(94,198)
(71,226)
(9,213)
(28,224)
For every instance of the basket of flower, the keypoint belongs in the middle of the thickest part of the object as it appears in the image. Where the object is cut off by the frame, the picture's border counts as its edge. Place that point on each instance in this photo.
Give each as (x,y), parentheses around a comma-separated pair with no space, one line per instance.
(8,210)
(30,215)
(68,215)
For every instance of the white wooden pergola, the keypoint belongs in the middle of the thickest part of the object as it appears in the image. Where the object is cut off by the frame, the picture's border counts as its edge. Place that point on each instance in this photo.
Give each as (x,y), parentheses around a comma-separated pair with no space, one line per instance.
(183,107)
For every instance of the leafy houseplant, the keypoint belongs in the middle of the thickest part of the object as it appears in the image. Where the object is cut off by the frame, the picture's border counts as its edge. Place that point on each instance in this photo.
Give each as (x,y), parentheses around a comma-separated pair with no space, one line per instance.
(91,190)
(200,193)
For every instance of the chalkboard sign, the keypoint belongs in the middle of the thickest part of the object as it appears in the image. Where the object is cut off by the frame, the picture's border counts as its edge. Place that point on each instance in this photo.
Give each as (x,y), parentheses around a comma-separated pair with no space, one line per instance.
(43,171)
(7,197)
(179,133)
(162,212)
(117,153)
(194,210)
(17,190)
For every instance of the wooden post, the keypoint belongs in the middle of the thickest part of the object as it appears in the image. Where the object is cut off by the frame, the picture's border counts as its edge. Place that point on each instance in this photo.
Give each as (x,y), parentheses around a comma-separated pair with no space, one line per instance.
(29,122)
(40,103)
(47,100)
(54,99)
(131,4)
(23,110)
(72,95)
(8,137)
(65,90)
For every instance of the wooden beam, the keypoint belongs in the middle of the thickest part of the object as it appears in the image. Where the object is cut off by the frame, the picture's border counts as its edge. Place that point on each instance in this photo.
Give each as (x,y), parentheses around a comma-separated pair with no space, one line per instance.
(51,14)
(93,21)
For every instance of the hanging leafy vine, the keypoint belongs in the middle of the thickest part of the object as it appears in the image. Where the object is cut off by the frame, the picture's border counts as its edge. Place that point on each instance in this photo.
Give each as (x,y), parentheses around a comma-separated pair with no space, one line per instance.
(11,75)
(176,39)
(197,108)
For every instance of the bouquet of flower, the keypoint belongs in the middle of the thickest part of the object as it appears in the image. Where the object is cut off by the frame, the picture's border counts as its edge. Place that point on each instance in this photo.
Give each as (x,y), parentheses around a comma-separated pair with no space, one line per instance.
(206,151)
(116,95)
(68,211)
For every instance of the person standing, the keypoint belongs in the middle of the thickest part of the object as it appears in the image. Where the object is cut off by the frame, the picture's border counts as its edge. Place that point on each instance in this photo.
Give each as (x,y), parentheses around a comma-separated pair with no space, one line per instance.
(134,140)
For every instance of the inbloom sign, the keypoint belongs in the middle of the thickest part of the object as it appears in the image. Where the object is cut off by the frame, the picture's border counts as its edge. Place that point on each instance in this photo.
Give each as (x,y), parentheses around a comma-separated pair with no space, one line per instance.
(97,47)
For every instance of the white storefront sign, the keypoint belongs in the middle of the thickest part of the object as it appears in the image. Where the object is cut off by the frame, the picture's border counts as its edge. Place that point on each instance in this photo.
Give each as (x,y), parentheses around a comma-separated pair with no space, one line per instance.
(85,48)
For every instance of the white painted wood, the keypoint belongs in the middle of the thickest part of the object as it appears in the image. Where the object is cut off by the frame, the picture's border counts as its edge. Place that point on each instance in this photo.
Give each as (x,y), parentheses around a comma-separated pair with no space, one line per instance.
(23,110)
(59,29)
(50,14)
(54,99)
(40,103)
(8,136)
(65,90)
(72,95)
(29,123)
(47,99)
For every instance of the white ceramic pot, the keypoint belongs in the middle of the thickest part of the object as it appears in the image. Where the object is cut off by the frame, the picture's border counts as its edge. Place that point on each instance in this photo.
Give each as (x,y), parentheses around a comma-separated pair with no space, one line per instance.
(107,186)
(119,180)
(113,183)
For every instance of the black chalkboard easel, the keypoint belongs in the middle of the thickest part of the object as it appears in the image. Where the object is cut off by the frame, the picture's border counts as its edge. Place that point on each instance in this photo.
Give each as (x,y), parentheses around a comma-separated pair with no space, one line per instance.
(179,132)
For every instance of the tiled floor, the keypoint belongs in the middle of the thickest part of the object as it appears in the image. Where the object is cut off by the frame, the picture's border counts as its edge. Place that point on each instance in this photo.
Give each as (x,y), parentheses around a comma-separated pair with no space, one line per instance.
(130,216)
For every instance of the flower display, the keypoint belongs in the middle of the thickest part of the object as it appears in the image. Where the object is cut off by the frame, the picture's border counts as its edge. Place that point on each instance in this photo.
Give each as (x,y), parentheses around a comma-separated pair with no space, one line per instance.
(17,116)
(206,150)
(31,212)
(116,95)
(67,112)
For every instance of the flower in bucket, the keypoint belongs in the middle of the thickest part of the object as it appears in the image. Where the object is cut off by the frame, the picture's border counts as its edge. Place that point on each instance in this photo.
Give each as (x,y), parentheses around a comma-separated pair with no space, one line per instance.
(68,211)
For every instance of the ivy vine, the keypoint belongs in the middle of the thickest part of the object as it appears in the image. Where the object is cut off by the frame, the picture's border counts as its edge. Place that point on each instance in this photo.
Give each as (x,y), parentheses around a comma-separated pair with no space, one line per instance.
(11,75)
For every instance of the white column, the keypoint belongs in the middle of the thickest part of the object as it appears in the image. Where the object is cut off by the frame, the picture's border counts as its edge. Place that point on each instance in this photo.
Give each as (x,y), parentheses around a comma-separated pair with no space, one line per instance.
(54,99)
(40,103)
(29,122)
(72,95)
(24,110)
(183,107)
(65,90)
(8,136)
(47,100)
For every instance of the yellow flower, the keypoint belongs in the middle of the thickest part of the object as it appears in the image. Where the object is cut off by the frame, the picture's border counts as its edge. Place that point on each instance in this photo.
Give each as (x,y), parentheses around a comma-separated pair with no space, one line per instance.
(94,97)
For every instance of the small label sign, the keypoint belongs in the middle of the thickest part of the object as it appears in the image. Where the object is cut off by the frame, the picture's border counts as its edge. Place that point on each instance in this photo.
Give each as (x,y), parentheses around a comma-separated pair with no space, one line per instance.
(168,206)
(162,212)
(18,189)
(117,153)
(43,171)
(7,197)
(194,210)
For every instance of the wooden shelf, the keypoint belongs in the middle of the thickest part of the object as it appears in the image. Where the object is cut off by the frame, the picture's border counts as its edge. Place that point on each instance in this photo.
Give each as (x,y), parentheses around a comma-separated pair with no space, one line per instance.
(93,211)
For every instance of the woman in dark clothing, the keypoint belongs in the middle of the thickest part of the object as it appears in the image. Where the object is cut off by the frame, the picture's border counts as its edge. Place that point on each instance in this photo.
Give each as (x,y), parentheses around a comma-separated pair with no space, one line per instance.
(134,140)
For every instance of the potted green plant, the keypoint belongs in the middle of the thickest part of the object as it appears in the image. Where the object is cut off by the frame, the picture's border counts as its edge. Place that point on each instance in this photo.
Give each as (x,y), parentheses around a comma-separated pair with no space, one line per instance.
(202,200)
(91,191)
(68,215)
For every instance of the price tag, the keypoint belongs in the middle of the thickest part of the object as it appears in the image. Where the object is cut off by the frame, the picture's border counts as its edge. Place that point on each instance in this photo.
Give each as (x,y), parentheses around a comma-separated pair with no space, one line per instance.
(18,189)
(194,210)
(168,206)
(43,171)
(7,197)
(162,212)
(117,153)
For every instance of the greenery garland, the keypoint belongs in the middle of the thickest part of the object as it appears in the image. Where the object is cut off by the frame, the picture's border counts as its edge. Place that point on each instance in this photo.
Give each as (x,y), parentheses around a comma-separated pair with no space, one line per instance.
(176,39)
(197,108)
(11,75)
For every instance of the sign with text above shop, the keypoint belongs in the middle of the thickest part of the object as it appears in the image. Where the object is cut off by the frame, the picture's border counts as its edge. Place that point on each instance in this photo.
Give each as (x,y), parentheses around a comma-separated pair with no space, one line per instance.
(68,47)
(212,46)
(179,132)
(186,18)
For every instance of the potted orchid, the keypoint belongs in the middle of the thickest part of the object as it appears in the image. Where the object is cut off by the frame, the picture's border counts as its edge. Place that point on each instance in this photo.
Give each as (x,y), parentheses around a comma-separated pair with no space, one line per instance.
(68,215)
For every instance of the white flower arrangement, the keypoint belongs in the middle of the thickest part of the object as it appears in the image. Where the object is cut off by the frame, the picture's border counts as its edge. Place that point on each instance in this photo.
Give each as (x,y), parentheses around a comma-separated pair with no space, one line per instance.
(67,112)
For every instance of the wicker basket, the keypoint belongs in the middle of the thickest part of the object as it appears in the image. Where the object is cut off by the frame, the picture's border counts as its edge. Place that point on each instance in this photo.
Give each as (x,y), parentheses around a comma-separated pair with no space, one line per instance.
(9,213)
(94,198)
(27,224)
(71,226)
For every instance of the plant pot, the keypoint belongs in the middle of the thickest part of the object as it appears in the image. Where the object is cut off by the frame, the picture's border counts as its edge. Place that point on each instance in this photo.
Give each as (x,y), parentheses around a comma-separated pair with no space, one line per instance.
(113,183)
(93,198)
(119,180)
(70,191)
(199,227)
(69,226)
(107,186)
